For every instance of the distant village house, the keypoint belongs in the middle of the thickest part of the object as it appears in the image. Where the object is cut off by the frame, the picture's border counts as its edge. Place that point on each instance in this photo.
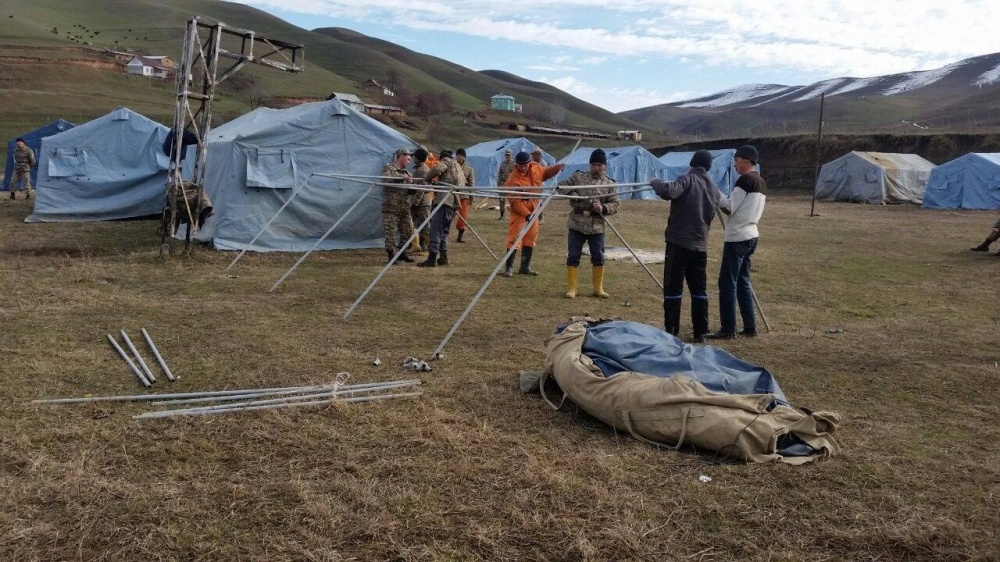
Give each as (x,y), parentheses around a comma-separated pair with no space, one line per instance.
(630,135)
(152,67)
(503,102)
(351,100)
(373,109)
(377,89)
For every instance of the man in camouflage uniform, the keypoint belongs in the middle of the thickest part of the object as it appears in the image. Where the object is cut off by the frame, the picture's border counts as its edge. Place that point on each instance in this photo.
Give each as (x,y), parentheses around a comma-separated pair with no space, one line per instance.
(465,198)
(586,220)
(420,201)
(447,171)
(396,205)
(24,161)
(984,247)
(506,167)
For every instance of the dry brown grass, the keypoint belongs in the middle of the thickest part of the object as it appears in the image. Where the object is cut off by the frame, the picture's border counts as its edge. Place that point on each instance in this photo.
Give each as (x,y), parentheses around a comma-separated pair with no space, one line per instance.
(474,469)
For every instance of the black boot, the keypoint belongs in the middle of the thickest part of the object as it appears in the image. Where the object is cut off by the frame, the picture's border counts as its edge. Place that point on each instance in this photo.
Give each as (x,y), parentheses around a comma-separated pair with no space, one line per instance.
(525,268)
(672,316)
(985,246)
(461,236)
(12,196)
(509,270)
(431,260)
(699,318)
(391,254)
(443,260)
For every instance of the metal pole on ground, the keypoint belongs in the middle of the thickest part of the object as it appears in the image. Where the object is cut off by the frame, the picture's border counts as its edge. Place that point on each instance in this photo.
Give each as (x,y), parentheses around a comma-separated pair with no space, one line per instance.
(156,353)
(402,248)
(634,255)
(320,241)
(138,373)
(145,369)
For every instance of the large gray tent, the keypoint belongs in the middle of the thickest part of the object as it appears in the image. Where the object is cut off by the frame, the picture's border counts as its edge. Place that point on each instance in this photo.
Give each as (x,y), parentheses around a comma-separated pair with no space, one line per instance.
(110,168)
(971,181)
(258,161)
(874,177)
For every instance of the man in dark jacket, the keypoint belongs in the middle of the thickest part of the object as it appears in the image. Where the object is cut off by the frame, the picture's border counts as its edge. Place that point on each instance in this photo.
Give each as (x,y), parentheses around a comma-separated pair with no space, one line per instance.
(693,198)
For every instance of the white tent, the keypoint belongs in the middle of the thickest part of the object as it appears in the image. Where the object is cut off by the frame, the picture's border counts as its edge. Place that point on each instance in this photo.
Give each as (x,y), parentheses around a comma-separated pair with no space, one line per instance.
(626,164)
(874,177)
(110,168)
(967,182)
(257,162)
(486,157)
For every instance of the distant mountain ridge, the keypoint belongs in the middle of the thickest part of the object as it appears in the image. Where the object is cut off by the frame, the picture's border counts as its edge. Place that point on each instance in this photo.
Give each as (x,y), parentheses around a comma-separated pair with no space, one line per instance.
(962,94)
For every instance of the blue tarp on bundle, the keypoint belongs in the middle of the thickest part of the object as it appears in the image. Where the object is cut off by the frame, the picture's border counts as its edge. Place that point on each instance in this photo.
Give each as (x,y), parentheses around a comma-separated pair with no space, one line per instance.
(621,345)
(967,182)
(34,141)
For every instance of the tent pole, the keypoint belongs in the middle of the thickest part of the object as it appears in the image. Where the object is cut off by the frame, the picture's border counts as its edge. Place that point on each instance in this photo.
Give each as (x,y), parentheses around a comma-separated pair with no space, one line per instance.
(480,238)
(266,225)
(753,293)
(634,255)
(320,241)
(402,248)
(819,143)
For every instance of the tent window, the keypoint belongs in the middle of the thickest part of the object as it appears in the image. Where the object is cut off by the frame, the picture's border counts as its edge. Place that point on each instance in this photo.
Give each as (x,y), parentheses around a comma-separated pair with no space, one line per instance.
(67,162)
(272,168)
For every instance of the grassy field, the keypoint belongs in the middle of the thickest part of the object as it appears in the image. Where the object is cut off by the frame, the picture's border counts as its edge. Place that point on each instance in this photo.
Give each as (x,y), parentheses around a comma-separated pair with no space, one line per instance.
(473,469)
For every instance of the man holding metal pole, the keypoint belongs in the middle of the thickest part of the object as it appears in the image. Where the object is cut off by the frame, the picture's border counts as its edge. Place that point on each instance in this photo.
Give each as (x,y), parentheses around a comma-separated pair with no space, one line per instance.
(693,198)
(396,205)
(447,172)
(586,220)
(528,177)
(744,205)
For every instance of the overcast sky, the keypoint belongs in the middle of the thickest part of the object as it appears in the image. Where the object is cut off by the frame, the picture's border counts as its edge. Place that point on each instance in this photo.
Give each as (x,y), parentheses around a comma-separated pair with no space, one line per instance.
(625,54)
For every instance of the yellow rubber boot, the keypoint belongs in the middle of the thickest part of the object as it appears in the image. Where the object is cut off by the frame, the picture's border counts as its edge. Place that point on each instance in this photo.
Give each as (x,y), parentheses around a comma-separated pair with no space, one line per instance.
(571,278)
(599,282)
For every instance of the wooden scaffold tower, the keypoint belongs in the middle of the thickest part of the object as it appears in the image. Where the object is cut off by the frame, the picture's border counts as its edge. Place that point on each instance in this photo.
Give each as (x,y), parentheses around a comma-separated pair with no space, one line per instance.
(198,74)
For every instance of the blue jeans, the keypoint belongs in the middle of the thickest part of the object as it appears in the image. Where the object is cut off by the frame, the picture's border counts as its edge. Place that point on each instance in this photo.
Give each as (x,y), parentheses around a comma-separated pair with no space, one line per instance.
(734,286)
(574,249)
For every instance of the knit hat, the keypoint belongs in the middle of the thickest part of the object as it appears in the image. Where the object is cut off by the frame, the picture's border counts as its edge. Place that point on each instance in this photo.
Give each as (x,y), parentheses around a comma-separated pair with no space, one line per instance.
(522,157)
(702,159)
(460,152)
(748,152)
(403,151)
(420,154)
(445,154)
(598,157)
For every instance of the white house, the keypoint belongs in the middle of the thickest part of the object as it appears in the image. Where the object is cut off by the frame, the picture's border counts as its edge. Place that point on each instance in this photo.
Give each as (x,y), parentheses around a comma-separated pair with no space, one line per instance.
(148,66)
(377,88)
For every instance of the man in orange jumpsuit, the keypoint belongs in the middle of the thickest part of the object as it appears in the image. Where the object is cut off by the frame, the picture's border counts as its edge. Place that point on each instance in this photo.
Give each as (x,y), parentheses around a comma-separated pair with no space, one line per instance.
(527,176)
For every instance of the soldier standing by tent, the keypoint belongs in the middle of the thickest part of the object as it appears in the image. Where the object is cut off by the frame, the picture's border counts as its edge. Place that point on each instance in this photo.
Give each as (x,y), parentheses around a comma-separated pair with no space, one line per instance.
(586,220)
(420,202)
(465,197)
(24,161)
(693,198)
(447,172)
(984,247)
(506,167)
(745,205)
(396,205)
(528,177)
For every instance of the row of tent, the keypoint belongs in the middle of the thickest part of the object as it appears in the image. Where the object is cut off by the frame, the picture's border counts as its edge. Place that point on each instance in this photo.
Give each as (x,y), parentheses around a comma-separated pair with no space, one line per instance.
(113,168)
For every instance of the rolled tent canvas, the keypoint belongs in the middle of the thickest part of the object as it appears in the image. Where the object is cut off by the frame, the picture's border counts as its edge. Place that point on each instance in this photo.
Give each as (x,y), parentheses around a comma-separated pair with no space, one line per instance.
(971,181)
(33,140)
(257,162)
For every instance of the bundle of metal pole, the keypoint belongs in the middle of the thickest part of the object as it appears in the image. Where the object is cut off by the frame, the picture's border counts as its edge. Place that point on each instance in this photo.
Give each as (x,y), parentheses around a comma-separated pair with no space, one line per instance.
(142,364)
(491,192)
(324,402)
(284,393)
(131,365)
(148,397)
(753,293)
(156,353)
(634,255)
(402,248)
(322,238)
(263,229)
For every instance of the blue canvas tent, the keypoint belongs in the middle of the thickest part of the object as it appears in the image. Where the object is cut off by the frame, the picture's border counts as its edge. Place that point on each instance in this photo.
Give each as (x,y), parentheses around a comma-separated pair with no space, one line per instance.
(34,141)
(257,162)
(967,182)
(722,172)
(627,164)
(486,157)
(110,168)
(874,177)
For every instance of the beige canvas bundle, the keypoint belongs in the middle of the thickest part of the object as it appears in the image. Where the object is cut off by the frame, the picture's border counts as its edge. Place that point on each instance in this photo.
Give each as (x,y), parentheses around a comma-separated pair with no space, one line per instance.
(679,410)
